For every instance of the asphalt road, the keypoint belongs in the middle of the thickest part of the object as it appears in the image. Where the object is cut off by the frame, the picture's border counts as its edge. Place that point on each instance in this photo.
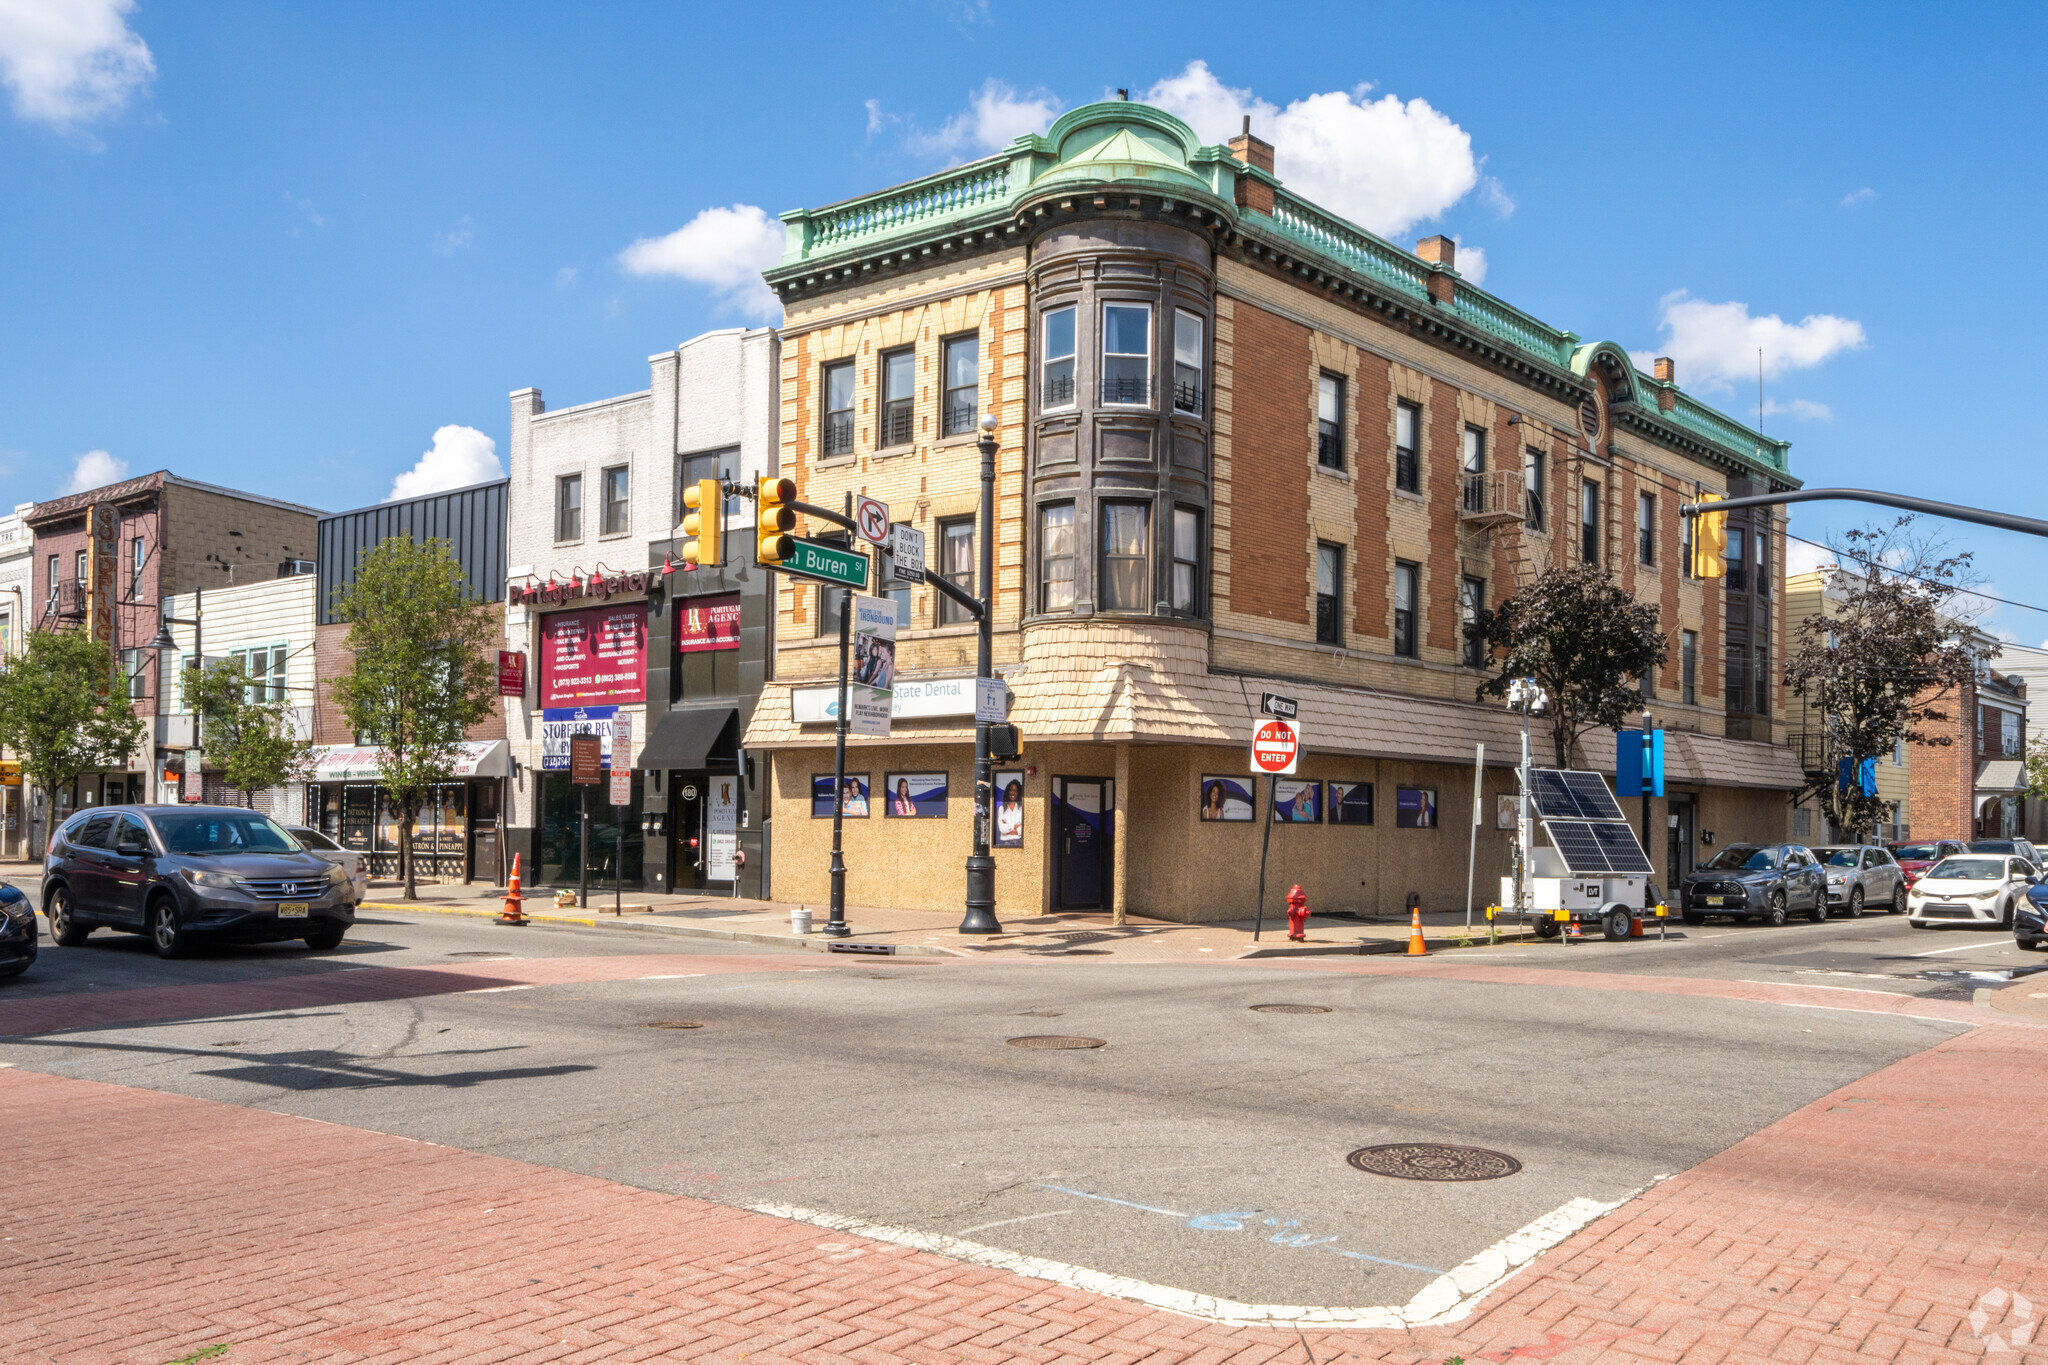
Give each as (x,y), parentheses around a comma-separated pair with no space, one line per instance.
(1203,1147)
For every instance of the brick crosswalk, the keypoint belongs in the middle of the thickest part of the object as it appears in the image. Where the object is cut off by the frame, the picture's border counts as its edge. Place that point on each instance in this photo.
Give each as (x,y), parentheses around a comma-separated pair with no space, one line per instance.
(1895,1220)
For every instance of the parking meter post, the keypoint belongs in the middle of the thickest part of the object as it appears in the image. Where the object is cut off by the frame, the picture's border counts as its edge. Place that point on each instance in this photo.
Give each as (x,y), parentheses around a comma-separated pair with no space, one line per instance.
(1259,915)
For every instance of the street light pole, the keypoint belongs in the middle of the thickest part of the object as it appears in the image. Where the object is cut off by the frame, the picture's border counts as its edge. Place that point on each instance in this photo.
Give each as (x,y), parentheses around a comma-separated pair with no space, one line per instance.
(1645,783)
(835,925)
(981,868)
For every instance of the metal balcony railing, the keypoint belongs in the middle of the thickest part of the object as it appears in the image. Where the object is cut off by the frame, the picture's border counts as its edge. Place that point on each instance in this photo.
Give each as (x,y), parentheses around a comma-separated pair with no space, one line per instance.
(1494,497)
(894,429)
(1128,389)
(1059,390)
(1187,397)
(1407,470)
(960,415)
(838,433)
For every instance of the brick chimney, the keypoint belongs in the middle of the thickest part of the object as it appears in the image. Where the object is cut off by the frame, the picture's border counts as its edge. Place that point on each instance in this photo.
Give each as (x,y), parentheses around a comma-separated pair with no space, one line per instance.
(1254,152)
(1666,370)
(1440,250)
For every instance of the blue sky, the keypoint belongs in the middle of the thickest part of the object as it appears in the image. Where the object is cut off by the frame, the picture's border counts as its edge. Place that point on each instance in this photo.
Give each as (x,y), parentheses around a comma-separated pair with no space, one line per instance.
(283,247)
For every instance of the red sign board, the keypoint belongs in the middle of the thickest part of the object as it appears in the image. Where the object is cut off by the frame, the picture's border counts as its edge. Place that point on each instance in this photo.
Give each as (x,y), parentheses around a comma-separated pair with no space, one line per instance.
(708,623)
(596,657)
(511,673)
(1276,744)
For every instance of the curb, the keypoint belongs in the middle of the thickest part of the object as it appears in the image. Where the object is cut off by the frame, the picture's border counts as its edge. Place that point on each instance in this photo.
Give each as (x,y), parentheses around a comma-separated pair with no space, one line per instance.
(675,930)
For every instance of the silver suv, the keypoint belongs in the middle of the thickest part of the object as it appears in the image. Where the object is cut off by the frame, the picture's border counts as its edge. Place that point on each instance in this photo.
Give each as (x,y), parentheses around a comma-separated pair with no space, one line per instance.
(1862,875)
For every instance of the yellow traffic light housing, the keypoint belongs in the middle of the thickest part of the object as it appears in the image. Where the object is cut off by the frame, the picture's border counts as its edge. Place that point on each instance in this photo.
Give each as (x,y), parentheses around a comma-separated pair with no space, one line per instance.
(1710,541)
(773,542)
(703,502)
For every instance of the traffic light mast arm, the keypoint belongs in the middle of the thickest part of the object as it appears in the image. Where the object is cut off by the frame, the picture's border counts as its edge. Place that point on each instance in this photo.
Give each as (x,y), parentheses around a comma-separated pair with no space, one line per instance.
(811,509)
(967,601)
(2005,521)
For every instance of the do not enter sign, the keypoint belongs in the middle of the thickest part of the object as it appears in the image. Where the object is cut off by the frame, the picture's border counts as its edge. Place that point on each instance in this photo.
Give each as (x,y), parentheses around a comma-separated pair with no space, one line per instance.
(1276,744)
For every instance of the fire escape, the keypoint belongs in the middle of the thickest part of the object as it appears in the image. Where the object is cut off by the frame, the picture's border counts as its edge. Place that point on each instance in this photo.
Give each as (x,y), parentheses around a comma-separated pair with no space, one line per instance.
(66,608)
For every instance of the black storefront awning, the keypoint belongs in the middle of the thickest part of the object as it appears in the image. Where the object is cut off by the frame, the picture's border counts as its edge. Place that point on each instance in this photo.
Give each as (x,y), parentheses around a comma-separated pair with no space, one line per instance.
(694,737)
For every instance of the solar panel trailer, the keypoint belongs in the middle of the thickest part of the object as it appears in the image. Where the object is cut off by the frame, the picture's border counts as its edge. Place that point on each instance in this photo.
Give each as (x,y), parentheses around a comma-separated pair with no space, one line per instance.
(1592,868)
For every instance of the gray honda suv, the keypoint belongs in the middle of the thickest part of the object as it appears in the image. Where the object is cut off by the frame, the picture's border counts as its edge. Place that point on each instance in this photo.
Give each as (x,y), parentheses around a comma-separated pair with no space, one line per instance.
(180,873)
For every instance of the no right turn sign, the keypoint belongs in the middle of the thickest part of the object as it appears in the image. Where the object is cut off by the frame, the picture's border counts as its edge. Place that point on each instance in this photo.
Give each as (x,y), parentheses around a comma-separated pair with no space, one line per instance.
(1276,744)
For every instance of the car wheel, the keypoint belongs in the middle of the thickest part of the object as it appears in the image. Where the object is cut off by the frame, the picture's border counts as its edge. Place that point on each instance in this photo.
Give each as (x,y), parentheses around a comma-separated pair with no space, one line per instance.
(2005,916)
(1546,928)
(166,935)
(325,939)
(1615,926)
(1856,902)
(64,925)
(1899,899)
(1693,917)
(2032,945)
(1819,913)
(1775,914)
(1919,923)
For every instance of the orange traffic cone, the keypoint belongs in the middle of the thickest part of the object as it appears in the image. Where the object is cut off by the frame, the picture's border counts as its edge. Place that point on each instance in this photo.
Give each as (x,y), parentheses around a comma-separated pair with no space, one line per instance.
(1635,926)
(512,914)
(1416,947)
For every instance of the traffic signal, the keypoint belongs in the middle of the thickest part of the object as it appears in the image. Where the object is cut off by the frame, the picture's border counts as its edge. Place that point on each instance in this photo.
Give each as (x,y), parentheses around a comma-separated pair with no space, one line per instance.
(704,500)
(1710,541)
(773,542)
(1005,745)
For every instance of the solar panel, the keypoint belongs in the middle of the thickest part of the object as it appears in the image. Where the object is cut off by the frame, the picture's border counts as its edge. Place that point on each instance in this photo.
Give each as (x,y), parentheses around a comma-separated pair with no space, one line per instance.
(1618,842)
(1576,844)
(1595,802)
(1553,798)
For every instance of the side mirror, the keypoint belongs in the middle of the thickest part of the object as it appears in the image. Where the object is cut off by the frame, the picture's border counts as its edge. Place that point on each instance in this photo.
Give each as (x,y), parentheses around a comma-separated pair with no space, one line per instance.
(132,848)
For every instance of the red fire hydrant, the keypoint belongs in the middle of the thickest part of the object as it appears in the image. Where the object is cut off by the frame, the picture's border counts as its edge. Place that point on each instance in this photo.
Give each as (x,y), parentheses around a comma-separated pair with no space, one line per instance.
(1297,915)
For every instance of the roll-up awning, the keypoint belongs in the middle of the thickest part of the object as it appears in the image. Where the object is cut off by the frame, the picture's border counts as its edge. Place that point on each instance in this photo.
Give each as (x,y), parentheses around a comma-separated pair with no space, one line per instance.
(691,737)
(358,762)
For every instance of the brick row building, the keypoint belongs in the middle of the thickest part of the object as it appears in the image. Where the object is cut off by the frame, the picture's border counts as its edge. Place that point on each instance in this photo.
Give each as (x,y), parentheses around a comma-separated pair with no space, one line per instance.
(1244,446)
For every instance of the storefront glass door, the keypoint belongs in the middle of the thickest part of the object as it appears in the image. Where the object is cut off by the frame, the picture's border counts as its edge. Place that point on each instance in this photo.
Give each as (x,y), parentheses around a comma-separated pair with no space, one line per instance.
(1083,834)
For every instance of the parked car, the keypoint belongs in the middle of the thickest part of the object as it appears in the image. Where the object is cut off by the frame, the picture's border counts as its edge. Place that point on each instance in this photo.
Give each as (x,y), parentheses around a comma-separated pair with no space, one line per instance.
(1971,888)
(18,932)
(1763,881)
(1860,875)
(2030,917)
(347,859)
(2014,847)
(182,873)
(1915,859)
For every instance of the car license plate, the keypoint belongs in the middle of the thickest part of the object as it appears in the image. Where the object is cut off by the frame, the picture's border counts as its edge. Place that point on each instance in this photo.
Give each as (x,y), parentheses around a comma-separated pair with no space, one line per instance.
(1710,900)
(293,909)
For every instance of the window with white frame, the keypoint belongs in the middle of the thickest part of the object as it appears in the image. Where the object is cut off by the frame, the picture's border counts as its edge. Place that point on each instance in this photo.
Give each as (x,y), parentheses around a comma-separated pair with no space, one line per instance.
(1056,557)
(1056,331)
(1126,353)
(1187,560)
(1126,575)
(1187,361)
(963,385)
(618,488)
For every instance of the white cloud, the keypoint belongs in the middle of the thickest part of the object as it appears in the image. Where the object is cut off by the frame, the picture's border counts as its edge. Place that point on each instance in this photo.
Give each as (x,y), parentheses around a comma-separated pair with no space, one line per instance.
(94,469)
(1857,198)
(307,211)
(1385,164)
(1716,344)
(455,239)
(1800,408)
(1801,557)
(996,115)
(461,456)
(1495,196)
(1471,262)
(723,249)
(69,62)
(565,278)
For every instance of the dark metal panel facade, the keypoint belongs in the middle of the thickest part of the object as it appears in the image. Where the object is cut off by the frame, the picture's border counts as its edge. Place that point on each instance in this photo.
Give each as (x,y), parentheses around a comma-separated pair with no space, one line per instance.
(471,520)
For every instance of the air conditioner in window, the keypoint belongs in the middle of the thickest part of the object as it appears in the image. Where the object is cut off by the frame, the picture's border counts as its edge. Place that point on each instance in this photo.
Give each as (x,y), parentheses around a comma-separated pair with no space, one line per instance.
(291,568)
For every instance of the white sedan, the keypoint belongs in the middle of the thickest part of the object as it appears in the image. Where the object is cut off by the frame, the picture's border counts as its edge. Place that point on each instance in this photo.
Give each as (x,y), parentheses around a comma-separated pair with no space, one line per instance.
(1969,888)
(350,861)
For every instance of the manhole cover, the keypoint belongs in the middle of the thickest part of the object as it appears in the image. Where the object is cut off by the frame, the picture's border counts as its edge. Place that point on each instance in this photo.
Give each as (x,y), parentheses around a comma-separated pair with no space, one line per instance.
(672,1023)
(1085,938)
(1055,1042)
(480,954)
(1433,1161)
(1292,1009)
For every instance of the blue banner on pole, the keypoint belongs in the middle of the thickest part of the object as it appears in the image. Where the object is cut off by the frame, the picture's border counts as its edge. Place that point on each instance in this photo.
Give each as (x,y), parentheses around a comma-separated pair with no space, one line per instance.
(1638,765)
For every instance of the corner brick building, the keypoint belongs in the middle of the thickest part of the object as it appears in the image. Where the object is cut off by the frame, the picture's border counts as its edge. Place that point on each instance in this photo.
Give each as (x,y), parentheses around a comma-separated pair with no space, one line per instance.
(1244,446)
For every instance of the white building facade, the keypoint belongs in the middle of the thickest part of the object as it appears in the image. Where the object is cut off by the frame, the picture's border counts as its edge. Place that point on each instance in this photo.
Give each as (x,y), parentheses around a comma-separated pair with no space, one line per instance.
(17,587)
(594,501)
(268,626)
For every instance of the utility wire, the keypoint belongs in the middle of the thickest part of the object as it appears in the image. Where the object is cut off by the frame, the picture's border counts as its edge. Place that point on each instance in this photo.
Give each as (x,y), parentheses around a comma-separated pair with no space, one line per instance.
(1969,592)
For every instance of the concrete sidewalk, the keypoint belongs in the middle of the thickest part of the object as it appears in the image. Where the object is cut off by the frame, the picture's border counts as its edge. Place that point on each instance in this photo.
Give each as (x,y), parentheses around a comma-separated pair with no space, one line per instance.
(919,932)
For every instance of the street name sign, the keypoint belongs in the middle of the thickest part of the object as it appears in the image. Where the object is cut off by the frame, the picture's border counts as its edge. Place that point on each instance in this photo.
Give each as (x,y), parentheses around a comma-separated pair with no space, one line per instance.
(827,563)
(1276,744)
(871,519)
(906,555)
(1273,704)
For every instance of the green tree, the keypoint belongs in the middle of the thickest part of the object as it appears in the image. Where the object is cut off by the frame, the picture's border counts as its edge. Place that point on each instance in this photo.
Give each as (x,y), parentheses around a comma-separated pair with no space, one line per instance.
(61,714)
(1881,660)
(250,741)
(420,676)
(1575,631)
(2037,768)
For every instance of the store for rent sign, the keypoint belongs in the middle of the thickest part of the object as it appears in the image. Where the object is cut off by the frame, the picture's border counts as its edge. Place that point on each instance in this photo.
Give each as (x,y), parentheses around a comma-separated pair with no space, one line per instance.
(596,657)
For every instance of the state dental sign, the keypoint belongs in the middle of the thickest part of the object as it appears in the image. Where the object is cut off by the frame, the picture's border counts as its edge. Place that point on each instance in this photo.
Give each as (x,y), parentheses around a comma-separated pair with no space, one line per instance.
(594,657)
(914,699)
